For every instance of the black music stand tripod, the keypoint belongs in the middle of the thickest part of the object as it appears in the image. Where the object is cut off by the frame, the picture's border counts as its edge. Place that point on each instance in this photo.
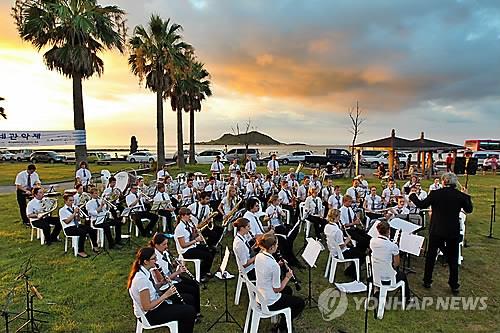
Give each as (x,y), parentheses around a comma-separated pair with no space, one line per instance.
(493,213)
(229,318)
(310,256)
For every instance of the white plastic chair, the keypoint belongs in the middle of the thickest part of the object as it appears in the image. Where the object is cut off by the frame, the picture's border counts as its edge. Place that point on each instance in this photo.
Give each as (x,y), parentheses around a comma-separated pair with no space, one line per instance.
(331,264)
(143,324)
(196,262)
(39,234)
(257,311)
(378,271)
(301,216)
(74,243)
(242,277)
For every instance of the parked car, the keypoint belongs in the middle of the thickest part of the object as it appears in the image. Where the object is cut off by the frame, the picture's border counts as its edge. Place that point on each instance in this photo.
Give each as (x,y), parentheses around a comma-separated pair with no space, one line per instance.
(186,155)
(6,155)
(368,154)
(332,155)
(383,157)
(295,157)
(46,156)
(239,153)
(93,157)
(23,155)
(208,156)
(141,156)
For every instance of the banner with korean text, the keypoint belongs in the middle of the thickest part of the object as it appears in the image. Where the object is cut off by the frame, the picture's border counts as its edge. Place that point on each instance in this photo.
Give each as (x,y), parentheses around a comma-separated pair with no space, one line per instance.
(41,138)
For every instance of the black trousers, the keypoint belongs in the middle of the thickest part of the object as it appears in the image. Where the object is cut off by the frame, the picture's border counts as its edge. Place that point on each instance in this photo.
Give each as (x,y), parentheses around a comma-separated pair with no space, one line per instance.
(191,288)
(212,236)
(82,231)
(293,212)
(361,237)
(144,231)
(251,275)
(449,247)
(202,253)
(285,245)
(22,202)
(352,253)
(287,300)
(318,223)
(168,215)
(164,313)
(45,224)
(106,226)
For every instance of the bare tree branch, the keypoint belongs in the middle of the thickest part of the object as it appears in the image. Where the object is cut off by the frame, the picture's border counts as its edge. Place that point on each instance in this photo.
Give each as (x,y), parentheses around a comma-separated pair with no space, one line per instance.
(355,115)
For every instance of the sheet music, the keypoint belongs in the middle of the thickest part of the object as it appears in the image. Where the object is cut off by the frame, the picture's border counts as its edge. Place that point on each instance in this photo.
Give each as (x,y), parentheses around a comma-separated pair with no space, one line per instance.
(225,260)
(312,251)
(410,243)
(403,225)
(373,232)
(351,287)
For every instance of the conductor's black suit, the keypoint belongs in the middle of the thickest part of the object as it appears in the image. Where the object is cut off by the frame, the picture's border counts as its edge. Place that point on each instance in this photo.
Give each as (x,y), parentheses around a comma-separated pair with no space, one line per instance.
(444,232)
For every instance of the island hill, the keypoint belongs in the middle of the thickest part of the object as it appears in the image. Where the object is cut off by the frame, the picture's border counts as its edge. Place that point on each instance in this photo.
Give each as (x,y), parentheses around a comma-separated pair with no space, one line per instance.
(250,138)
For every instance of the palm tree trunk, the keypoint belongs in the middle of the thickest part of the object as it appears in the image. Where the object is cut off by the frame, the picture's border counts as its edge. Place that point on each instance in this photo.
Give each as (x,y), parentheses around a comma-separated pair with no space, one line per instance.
(180,141)
(160,135)
(191,137)
(79,118)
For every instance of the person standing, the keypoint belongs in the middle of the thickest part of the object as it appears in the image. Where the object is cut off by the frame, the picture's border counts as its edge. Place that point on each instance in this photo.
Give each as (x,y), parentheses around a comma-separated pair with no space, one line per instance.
(24,182)
(273,165)
(444,232)
(83,175)
(217,168)
(449,162)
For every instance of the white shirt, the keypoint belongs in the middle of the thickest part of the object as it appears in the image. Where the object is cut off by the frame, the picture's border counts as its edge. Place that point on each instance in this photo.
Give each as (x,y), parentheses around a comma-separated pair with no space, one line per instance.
(434,187)
(64,213)
(273,165)
(138,207)
(34,206)
(162,174)
(255,225)
(334,236)
(140,282)
(387,193)
(92,206)
(302,192)
(217,167)
(188,196)
(313,206)
(250,167)
(22,179)
(164,264)
(267,273)
(252,189)
(84,174)
(316,184)
(399,211)
(76,198)
(326,192)
(285,197)
(232,169)
(345,212)
(335,201)
(214,191)
(268,187)
(274,212)
(181,231)
(373,202)
(228,205)
(353,192)
(241,250)
(161,196)
(382,252)
(199,212)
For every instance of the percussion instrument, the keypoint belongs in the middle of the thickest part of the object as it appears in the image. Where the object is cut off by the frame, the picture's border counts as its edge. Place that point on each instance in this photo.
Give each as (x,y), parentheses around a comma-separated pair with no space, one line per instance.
(124,180)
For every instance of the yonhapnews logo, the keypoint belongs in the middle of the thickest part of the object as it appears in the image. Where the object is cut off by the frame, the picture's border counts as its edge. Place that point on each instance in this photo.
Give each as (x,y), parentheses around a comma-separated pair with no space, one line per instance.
(332,304)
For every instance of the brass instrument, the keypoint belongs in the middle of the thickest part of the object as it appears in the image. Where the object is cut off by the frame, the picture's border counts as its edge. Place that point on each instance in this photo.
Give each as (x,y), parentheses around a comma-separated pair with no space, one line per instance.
(229,215)
(207,223)
(195,233)
(299,168)
(48,206)
(83,199)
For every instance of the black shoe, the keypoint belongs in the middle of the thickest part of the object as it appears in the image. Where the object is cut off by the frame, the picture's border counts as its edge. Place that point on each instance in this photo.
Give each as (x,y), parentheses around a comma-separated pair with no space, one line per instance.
(427,285)
(455,291)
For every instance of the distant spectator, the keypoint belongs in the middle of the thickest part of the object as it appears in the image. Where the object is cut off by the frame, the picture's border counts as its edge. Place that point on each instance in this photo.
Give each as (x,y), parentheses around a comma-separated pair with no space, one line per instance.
(449,162)
(408,162)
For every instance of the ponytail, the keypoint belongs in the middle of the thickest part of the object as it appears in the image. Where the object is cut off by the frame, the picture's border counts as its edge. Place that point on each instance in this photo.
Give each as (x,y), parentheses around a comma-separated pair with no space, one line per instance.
(267,240)
(240,223)
(157,240)
(182,211)
(142,255)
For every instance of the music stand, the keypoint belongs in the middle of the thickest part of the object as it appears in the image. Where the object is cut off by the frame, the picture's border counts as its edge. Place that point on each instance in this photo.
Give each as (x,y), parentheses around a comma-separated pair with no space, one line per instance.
(310,256)
(104,250)
(128,238)
(229,319)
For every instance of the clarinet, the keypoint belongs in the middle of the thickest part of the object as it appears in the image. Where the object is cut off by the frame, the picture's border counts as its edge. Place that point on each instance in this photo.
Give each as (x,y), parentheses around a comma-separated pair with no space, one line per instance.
(188,273)
(294,279)
(169,283)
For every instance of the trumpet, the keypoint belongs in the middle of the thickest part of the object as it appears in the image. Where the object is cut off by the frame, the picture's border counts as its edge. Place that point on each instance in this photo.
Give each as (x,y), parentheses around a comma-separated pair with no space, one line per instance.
(109,203)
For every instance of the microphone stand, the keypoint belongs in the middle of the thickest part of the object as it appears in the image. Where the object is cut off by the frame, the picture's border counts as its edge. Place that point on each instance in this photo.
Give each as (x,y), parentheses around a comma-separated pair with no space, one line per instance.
(493,212)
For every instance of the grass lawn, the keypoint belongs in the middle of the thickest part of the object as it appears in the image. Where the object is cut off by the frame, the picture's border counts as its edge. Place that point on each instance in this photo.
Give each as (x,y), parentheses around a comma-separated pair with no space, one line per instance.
(91,296)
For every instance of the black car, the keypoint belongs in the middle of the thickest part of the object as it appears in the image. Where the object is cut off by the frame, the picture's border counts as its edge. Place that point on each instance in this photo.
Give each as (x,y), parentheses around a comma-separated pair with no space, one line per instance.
(332,155)
(46,156)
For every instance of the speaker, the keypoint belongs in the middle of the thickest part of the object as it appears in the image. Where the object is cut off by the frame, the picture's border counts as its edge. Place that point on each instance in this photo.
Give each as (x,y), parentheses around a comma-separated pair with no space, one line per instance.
(460,166)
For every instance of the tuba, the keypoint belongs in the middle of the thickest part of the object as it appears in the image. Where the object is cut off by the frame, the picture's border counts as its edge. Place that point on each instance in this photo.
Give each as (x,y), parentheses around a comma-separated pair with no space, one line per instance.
(48,206)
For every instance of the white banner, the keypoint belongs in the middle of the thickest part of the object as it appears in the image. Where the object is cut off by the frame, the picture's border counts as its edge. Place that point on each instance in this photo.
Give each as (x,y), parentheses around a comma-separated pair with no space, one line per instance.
(41,138)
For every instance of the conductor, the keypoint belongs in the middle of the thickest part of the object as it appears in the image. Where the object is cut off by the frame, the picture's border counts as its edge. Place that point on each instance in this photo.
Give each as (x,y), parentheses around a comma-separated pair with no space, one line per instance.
(444,232)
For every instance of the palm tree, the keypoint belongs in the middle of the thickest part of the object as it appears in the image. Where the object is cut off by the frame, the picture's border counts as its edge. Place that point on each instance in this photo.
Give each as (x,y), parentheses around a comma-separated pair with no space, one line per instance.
(191,88)
(157,55)
(75,31)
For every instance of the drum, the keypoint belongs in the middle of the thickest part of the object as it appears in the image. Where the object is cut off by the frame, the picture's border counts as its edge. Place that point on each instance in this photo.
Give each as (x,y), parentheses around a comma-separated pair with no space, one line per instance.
(124,180)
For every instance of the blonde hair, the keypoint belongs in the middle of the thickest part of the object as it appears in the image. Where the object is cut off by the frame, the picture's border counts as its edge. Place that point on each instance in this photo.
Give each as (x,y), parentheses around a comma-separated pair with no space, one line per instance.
(333,215)
(267,240)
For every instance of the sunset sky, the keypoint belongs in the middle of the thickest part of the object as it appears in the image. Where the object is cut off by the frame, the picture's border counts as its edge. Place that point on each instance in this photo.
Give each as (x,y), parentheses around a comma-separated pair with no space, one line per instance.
(293,67)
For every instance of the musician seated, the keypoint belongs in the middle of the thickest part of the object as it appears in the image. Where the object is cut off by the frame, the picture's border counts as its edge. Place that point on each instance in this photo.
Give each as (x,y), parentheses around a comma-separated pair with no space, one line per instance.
(421,194)
(335,200)
(252,214)
(158,309)
(233,168)
(98,212)
(200,211)
(165,208)
(214,188)
(273,291)
(83,175)
(326,193)
(188,193)
(303,190)
(372,201)
(138,212)
(334,235)
(436,185)
(352,223)
(162,174)
(354,192)
(399,209)
(363,184)
(273,167)
(386,253)
(252,189)
(243,251)
(69,216)
(292,180)
(79,191)
(408,185)
(34,211)
(229,202)
(190,244)
(288,201)
(313,212)
(172,270)
(316,183)
(390,193)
